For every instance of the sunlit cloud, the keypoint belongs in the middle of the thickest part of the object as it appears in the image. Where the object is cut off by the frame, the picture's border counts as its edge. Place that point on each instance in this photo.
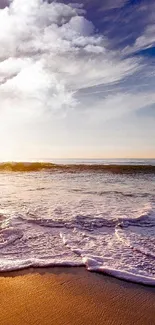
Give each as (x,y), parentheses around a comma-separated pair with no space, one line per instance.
(48,51)
(56,65)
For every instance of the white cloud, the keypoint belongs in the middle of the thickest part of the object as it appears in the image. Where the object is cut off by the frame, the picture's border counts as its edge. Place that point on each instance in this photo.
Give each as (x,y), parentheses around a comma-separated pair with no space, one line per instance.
(49,51)
(50,54)
(98,110)
(144,41)
(147,39)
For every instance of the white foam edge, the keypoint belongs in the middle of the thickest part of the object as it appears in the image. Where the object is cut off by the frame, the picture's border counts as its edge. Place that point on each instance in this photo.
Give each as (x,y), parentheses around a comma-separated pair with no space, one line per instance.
(123,275)
(37,264)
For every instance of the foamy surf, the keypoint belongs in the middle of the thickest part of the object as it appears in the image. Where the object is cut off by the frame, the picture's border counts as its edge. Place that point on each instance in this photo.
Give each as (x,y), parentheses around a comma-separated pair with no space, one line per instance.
(103,248)
(105,222)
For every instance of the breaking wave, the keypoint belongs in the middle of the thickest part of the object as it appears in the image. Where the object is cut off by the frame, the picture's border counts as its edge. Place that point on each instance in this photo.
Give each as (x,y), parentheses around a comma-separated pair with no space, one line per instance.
(43,166)
(115,247)
(102,221)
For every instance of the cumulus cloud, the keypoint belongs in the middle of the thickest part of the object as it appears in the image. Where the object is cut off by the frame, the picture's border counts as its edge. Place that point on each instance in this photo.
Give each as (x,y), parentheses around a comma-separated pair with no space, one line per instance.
(57,74)
(48,52)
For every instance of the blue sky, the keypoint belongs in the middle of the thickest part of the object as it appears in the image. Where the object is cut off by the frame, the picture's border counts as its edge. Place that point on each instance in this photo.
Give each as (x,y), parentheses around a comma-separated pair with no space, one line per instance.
(77,79)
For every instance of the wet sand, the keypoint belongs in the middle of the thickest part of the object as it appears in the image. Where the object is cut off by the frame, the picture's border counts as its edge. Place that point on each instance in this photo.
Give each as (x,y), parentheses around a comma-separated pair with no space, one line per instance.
(73,296)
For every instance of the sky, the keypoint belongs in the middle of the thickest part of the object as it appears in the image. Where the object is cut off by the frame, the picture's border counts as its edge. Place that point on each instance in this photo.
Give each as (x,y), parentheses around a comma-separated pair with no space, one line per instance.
(77,79)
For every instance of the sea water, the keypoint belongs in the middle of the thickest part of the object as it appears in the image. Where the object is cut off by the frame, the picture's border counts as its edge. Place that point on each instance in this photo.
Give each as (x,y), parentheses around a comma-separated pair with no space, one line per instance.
(67,214)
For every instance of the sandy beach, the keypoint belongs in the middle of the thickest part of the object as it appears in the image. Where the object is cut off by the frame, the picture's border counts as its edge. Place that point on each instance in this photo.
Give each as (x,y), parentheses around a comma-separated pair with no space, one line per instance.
(73,296)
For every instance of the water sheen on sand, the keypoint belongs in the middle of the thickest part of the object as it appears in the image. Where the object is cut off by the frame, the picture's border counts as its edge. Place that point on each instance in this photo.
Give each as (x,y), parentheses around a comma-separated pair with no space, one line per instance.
(101,217)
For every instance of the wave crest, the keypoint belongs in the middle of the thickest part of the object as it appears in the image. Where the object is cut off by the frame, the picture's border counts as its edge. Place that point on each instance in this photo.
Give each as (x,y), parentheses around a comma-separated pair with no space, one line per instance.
(43,166)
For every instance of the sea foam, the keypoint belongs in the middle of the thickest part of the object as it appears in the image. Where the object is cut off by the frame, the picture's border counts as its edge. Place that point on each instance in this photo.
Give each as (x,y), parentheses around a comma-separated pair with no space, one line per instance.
(103,221)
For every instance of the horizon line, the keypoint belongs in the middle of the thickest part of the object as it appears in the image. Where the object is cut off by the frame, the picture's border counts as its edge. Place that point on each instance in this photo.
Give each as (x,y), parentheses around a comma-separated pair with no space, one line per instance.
(86,159)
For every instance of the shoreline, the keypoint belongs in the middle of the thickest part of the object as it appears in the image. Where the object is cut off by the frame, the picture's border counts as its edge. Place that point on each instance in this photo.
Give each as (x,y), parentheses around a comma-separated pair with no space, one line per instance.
(111,273)
(66,268)
(72,295)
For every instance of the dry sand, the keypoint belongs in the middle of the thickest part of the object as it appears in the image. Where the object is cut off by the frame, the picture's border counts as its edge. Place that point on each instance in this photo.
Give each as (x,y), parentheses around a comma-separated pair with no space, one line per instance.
(69,296)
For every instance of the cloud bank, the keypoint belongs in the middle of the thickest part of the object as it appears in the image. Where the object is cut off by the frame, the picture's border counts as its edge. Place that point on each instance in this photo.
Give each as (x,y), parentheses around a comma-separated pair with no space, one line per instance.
(48,52)
(53,60)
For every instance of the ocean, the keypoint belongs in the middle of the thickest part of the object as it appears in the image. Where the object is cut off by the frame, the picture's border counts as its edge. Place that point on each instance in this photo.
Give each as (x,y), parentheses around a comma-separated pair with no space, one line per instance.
(94,213)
